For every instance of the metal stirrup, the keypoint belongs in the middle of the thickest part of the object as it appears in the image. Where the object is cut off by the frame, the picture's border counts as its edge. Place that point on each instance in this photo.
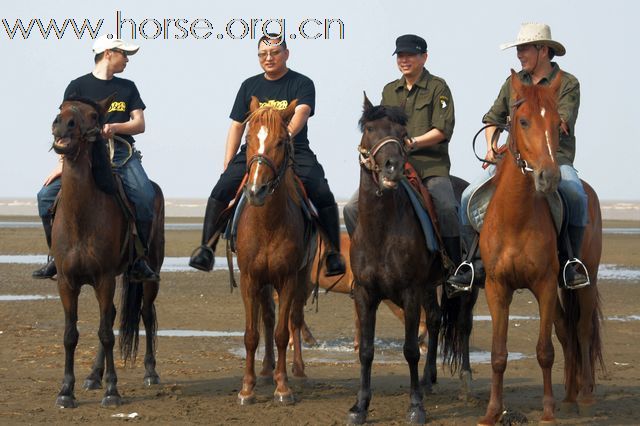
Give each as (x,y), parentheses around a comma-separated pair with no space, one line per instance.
(461,287)
(570,263)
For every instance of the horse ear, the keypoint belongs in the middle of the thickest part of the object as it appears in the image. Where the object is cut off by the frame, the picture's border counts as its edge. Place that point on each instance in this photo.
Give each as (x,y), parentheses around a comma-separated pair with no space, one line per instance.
(367,103)
(105,103)
(254,105)
(289,111)
(555,84)
(516,85)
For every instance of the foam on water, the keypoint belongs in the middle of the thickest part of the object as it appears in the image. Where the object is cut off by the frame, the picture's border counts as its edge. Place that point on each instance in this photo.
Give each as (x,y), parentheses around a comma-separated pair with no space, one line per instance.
(26,297)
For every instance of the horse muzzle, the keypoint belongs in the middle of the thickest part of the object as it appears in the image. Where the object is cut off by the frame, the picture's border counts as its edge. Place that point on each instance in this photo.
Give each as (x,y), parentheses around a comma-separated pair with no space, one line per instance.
(546,180)
(61,145)
(256,194)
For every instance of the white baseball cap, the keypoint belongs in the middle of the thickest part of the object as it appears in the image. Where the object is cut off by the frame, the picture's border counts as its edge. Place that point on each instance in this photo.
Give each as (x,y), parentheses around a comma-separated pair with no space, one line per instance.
(107,41)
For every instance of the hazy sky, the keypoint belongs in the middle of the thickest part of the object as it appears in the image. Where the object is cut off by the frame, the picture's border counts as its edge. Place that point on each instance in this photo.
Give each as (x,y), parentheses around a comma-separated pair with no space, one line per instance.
(189,84)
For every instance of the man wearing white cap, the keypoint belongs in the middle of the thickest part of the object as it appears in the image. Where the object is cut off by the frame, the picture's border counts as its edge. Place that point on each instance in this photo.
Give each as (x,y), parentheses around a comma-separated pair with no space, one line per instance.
(125,118)
(535,50)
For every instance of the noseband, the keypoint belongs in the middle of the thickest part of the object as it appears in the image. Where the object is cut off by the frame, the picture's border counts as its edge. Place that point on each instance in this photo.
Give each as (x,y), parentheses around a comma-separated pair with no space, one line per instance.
(368,156)
(278,173)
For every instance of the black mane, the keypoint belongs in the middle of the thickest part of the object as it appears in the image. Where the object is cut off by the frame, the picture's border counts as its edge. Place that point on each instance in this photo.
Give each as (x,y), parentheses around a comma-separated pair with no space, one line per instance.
(394,114)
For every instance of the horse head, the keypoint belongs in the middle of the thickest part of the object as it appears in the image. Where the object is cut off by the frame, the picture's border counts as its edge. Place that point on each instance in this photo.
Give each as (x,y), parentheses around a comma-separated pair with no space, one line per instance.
(78,122)
(535,131)
(381,148)
(269,149)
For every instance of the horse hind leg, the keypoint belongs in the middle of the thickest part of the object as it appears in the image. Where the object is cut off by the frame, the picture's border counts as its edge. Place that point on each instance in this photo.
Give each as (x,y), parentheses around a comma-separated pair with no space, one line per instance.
(150,320)
(434,322)
(283,394)
(69,297)
(466,326)
(297,325)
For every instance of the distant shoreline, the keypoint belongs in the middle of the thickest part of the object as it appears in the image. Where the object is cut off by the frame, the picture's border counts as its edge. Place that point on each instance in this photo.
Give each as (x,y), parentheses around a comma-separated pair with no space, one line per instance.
(194,207)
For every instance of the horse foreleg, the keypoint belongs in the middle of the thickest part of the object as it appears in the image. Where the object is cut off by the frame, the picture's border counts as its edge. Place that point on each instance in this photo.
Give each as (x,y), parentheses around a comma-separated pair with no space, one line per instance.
(434,321)
(150,292)
(283,394)
(498,299)
(251,338)
(105,289)
(268,323)
(94,379)
(416,413)
(366,308)
(544,350)
(69,297)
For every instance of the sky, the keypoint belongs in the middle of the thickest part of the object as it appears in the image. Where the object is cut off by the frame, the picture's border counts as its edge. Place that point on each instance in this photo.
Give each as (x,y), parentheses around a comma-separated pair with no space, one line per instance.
(189,82)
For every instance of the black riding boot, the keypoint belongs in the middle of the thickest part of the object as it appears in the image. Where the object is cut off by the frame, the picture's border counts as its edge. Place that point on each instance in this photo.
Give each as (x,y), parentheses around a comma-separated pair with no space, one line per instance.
(49,270)
(573,274)
(140,270)
(204,256)
(472,267)
(330,221)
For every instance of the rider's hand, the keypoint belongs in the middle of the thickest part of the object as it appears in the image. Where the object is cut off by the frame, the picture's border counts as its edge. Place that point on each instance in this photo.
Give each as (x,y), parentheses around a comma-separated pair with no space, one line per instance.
(564,127)
(108,130)
(55,173)
(490,156)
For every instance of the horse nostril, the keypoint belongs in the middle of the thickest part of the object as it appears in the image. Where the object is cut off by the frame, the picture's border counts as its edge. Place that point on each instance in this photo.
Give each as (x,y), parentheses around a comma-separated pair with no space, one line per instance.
(71,124)
(391,165)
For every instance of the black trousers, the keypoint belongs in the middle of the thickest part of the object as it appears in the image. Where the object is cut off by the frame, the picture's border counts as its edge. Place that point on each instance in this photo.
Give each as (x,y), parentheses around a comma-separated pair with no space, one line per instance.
(305,165)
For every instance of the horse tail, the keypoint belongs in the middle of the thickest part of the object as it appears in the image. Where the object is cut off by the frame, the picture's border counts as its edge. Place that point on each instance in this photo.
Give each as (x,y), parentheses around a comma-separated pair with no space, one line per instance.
(130,311)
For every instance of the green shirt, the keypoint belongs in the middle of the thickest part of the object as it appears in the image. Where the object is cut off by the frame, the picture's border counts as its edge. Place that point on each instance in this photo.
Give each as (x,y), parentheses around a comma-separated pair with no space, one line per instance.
(568,104)
(428,105)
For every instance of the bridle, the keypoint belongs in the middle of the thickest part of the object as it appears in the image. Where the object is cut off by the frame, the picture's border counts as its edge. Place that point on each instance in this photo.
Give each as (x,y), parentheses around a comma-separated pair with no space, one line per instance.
(511,144)
(278,173)
(368,156)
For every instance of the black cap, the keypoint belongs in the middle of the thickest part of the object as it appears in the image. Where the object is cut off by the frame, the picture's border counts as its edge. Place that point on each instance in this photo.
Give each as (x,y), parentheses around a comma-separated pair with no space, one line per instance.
(410,43)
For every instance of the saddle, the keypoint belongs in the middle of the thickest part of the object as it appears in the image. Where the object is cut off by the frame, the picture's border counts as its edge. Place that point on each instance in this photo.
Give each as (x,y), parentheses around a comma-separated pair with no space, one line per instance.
(426,212)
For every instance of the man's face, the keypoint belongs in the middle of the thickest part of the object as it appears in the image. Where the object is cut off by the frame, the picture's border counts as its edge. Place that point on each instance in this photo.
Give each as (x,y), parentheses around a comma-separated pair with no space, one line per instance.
(411,64)
(273,57)
(118,60)
(528,54)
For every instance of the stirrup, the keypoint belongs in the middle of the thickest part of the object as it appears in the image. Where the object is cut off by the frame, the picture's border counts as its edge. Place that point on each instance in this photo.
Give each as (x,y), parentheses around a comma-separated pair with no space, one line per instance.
(461,287)
(568,264)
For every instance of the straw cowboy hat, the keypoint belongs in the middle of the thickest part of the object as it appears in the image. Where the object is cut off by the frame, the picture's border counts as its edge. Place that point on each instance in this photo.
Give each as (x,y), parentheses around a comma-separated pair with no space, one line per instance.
(533,33)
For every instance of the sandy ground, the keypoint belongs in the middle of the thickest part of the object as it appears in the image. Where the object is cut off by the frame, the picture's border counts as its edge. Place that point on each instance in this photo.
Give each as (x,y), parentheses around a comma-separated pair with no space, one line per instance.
(202,375)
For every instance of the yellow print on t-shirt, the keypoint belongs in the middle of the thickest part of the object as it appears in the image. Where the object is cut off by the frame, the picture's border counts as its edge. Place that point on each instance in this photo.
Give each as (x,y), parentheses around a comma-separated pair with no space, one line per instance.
(275,104)
(118,107)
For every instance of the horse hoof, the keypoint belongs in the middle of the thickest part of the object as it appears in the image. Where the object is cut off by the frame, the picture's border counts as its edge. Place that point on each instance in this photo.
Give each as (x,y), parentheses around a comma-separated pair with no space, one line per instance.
(284,398)
(111,401)
(356,417)
(66,401)
(417,415)
(151,380)
(91,384)
(246,399)
(567,407)
(586,410)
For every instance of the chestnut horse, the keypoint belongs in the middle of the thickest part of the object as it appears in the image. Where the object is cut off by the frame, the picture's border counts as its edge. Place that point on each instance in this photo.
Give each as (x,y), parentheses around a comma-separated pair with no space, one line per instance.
(390,260)
(519,250)
(89,243)
(275,248)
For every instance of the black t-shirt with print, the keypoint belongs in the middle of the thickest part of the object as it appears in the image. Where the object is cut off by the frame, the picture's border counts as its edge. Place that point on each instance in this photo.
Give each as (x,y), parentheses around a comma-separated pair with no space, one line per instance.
(277,93)
(127,97)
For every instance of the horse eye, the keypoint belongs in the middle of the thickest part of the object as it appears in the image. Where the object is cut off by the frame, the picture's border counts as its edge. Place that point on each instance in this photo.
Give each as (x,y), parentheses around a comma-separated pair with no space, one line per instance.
(524,122)
(368,128)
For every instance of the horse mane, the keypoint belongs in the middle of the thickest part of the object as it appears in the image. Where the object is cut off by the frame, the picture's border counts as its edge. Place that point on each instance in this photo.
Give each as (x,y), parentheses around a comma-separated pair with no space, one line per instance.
(394,114)
(267,116)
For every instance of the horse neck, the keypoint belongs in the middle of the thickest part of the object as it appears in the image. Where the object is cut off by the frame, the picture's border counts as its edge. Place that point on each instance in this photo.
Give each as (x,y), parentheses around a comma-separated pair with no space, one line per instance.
(80,187)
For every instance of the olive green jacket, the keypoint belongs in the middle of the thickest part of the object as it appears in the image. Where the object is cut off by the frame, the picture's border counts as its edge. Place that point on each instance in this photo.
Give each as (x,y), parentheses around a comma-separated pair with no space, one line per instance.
(568,104)
(428,105)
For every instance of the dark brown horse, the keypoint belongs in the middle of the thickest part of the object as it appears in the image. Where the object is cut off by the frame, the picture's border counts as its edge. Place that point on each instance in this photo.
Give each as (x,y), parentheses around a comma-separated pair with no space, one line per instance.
(389,257)
(275,249)
(89,242)
(519,250)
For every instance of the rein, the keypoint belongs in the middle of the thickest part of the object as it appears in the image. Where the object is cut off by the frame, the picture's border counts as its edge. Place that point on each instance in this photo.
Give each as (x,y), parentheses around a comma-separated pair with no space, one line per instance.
(368,156)
(278,174)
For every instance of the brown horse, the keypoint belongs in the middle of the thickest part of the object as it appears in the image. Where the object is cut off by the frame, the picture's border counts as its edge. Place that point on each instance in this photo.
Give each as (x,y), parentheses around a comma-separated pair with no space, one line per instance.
(519,250)
(275,248)
(89,242)
(389,257)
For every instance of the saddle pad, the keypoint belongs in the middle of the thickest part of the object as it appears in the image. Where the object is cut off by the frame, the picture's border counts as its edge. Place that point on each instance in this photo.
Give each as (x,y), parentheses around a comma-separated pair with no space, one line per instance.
(481,197)
(423,217)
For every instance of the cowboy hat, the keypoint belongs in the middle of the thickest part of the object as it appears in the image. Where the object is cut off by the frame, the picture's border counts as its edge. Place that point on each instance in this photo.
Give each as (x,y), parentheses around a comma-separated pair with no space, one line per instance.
(534,33)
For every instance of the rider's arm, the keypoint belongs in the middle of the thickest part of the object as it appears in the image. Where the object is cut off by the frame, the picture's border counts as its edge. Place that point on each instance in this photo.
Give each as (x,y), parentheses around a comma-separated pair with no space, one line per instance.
(299,119)
(134,126)
(234,137)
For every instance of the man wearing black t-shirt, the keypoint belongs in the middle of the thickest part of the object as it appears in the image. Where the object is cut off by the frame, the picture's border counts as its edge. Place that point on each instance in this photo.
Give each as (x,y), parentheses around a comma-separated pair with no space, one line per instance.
(276,87)
(124,118)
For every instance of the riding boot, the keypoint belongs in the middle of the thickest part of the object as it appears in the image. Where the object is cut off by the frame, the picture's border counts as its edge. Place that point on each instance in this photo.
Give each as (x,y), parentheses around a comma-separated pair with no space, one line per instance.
(49,270)
(140,270)
(204,255)
(472,267)
(573,276)
(330,221)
